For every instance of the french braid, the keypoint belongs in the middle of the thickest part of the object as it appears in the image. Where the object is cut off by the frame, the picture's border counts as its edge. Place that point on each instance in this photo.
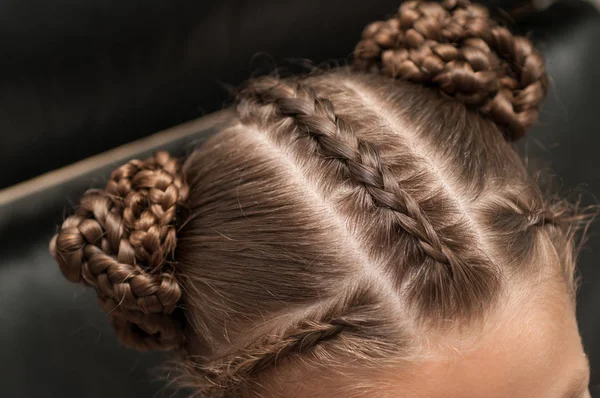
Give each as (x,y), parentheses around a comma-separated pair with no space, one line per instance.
(121,241)
(315,116)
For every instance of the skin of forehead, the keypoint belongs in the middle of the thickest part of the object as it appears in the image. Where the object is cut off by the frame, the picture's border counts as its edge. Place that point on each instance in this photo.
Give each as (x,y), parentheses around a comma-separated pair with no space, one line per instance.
(530,347)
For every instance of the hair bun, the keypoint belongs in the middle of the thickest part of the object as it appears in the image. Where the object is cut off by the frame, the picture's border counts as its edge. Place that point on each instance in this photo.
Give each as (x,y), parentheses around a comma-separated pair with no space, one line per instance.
(456,46)
(121,241)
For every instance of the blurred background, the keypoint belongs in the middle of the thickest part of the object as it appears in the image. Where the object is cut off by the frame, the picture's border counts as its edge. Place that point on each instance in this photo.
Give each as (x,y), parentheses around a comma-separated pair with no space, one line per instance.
(78,79)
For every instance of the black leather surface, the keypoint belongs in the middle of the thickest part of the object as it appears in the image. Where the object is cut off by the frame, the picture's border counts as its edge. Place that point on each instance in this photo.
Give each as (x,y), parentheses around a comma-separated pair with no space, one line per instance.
(567,139)
(54,341)
(79,78)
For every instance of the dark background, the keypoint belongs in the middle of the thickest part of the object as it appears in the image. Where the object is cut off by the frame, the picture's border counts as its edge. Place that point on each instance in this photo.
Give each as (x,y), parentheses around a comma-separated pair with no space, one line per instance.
(78,78)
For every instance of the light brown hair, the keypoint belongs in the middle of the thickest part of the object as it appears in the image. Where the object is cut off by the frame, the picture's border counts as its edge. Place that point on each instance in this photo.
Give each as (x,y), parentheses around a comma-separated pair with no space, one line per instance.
(341,214)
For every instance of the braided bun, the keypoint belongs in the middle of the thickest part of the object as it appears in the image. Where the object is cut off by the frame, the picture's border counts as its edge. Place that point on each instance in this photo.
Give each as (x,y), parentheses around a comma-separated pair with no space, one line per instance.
(121,241)
(455,46)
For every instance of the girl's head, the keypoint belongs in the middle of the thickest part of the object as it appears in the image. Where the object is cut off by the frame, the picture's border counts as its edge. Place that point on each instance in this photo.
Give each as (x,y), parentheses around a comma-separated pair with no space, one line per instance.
(362,232)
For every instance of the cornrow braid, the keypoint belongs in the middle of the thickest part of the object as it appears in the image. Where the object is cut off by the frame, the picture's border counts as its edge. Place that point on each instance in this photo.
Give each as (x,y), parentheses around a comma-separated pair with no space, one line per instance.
(121,241)
(315,116)
(229,374)
(456,46)
(356,315)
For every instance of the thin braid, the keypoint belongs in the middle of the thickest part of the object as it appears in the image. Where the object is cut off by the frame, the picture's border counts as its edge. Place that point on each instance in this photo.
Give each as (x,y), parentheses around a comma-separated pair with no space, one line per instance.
(230,373)
(357,315)
(121,241)
(456,46)
(315,116)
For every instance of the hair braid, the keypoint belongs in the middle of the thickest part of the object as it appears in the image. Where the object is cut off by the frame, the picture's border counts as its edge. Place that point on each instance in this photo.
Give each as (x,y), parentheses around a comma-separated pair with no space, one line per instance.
(456,46)
(121,240)
(228,374)
(436,283)
(315,116)
(356,315)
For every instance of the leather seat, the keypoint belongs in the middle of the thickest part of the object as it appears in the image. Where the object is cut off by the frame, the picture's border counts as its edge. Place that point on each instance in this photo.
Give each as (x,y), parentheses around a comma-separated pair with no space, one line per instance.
(77,80)
(92,86)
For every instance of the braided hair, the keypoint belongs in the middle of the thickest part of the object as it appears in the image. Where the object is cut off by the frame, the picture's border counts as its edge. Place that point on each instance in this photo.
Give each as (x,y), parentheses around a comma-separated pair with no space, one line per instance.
(340,216)
(121,241)
(455,46)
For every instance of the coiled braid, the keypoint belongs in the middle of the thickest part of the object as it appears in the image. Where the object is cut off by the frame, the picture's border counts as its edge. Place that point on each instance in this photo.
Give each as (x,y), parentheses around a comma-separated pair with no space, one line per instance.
(121,241)
(456,46)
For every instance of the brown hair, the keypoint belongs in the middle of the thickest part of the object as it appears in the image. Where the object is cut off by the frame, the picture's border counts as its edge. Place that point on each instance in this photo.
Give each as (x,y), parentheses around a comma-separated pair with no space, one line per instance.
(343,211)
